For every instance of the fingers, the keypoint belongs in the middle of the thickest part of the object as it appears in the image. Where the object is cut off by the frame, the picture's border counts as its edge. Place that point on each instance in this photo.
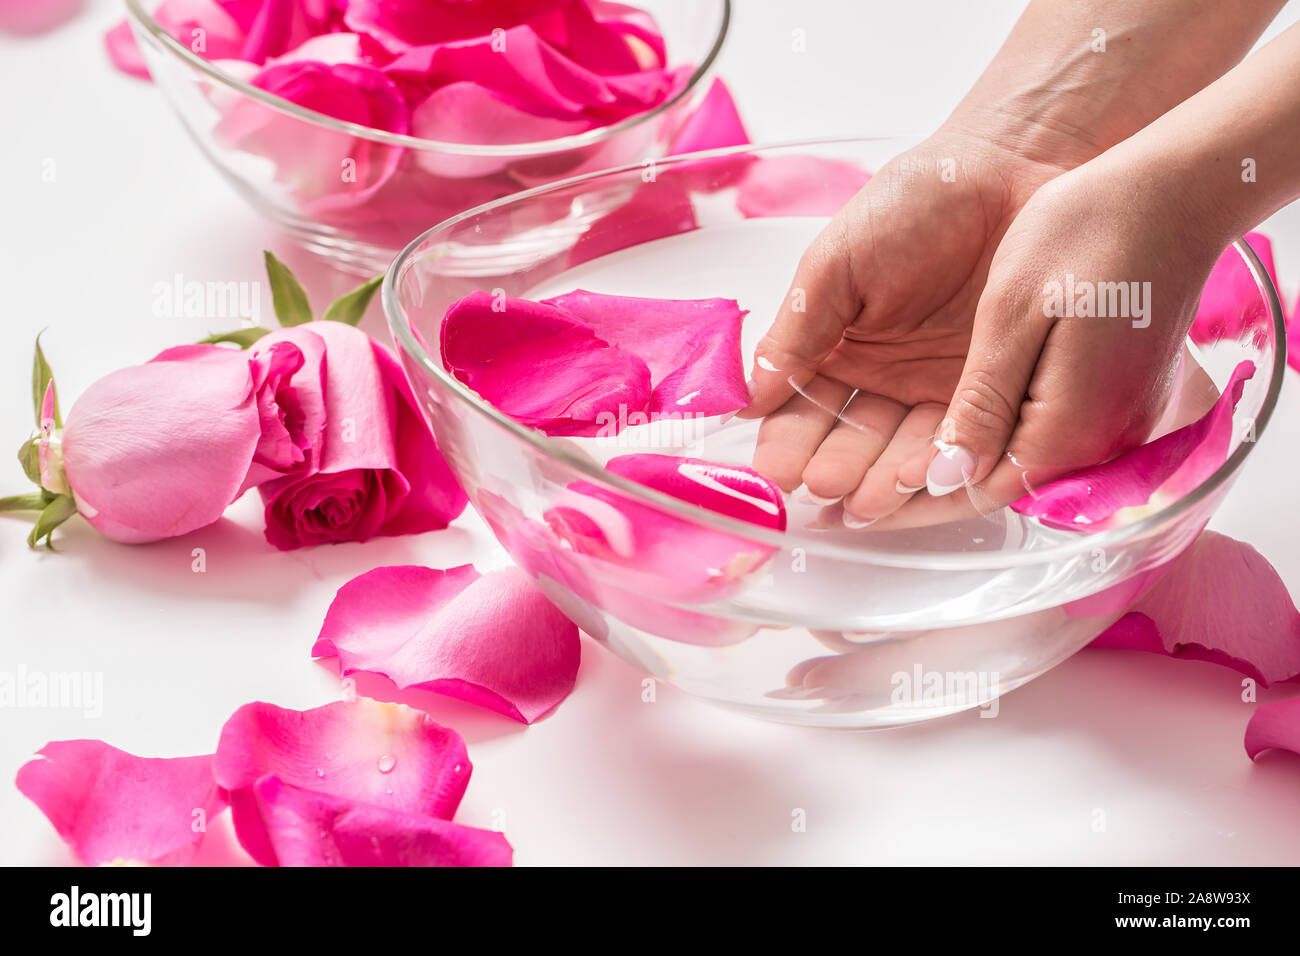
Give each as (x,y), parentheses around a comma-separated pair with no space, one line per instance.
(790,436)
(811,321)
(900,470)
(866,427)
(985,408)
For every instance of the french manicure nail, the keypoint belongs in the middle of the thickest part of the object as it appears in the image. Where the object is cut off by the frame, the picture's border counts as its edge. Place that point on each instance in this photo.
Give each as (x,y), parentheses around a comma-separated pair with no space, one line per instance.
(949,470)
(903,489)
(856,523)
(807,497)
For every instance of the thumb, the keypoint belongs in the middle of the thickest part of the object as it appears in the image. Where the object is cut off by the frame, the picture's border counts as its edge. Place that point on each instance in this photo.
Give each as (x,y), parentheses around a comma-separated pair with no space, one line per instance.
(985,407)
(821,303)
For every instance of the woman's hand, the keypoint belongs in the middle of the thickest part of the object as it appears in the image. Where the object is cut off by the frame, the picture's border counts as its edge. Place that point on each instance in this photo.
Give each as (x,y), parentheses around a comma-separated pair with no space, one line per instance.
(995,340)
(884,303)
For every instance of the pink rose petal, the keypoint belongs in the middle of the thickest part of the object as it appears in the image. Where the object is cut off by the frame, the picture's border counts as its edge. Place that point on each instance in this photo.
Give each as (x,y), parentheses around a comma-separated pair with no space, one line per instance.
(161,449)
(493,640)
(540,366)
(1230,304)
(325,169)
(109,805)
(656,210)
(715,124)
(363,751)
(1274,726)
(205,27)
(642,549)
(798,186)
(469,113)
(1219,601)
(310,828)
(1144,479)
(691,346)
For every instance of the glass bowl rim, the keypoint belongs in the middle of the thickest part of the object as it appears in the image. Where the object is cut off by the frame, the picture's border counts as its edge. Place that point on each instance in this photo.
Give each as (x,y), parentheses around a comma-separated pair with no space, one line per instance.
(402,331)
(146,22)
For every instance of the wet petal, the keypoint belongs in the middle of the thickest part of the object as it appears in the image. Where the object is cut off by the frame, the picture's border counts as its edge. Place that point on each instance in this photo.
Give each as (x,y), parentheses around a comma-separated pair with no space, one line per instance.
(639,549)
(1145,479)
(540,366)
(691,346)
(1230,303)
(109,805)
(1219,601)
(387,755)
(493,640)
(309,828)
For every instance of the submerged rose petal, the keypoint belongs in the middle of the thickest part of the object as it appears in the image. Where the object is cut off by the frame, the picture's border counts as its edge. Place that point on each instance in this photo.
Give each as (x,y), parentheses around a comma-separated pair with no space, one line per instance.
(540,366)
(642,549)
(1144,479)
(798,186)
(1231,304)
(387,755)
(1219,601)
(1274,726)
(109,805)
(691,346)
(656,210)
(310,828)
(493,640)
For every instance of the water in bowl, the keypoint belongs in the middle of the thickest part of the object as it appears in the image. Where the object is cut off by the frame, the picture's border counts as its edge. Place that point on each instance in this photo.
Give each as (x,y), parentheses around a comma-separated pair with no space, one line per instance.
(893,627)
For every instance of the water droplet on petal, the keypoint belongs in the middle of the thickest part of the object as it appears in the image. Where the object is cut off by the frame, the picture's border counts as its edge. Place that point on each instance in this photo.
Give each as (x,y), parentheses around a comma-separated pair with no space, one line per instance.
(387,763)
(320,772)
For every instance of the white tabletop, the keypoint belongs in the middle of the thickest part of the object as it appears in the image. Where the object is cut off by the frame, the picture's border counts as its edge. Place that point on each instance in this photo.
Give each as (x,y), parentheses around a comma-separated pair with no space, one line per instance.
(1149,747)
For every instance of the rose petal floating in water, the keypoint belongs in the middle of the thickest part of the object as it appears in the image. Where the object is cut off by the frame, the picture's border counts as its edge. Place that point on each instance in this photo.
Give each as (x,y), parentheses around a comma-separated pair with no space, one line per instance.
(586,364)
(491,639)
(109,805)
(1145,479)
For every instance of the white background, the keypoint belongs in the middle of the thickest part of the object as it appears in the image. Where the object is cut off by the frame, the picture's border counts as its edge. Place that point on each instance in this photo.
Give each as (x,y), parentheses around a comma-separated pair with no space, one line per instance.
(1154,744)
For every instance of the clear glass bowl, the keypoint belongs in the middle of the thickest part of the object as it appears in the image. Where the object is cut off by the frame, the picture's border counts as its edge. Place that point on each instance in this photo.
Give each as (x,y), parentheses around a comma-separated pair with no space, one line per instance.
(835,628)
(354,194)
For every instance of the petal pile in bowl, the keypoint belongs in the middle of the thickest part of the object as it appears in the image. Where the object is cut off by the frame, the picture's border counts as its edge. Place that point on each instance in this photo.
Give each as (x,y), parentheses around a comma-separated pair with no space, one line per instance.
(488,73)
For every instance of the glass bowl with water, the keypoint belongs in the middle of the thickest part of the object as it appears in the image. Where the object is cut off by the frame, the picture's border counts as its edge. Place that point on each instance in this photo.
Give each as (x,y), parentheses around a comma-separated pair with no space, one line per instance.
(835,627)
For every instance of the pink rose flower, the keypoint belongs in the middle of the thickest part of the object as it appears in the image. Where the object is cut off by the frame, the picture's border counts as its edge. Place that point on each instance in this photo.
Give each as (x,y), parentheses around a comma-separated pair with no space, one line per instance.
(376,469)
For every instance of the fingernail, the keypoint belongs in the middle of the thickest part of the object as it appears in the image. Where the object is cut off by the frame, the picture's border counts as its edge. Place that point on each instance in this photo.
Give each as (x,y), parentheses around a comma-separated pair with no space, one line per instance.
(723,419)
(749,387)
(949,470)
(903,489)
(807,497)
(856,523)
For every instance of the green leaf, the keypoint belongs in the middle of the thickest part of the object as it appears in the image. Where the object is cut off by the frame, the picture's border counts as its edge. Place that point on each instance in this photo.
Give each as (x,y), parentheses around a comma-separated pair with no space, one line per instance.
(287,295)
(351,307)
(32,502)
(241,337)
(56,512)
(41,378)
(29,458)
